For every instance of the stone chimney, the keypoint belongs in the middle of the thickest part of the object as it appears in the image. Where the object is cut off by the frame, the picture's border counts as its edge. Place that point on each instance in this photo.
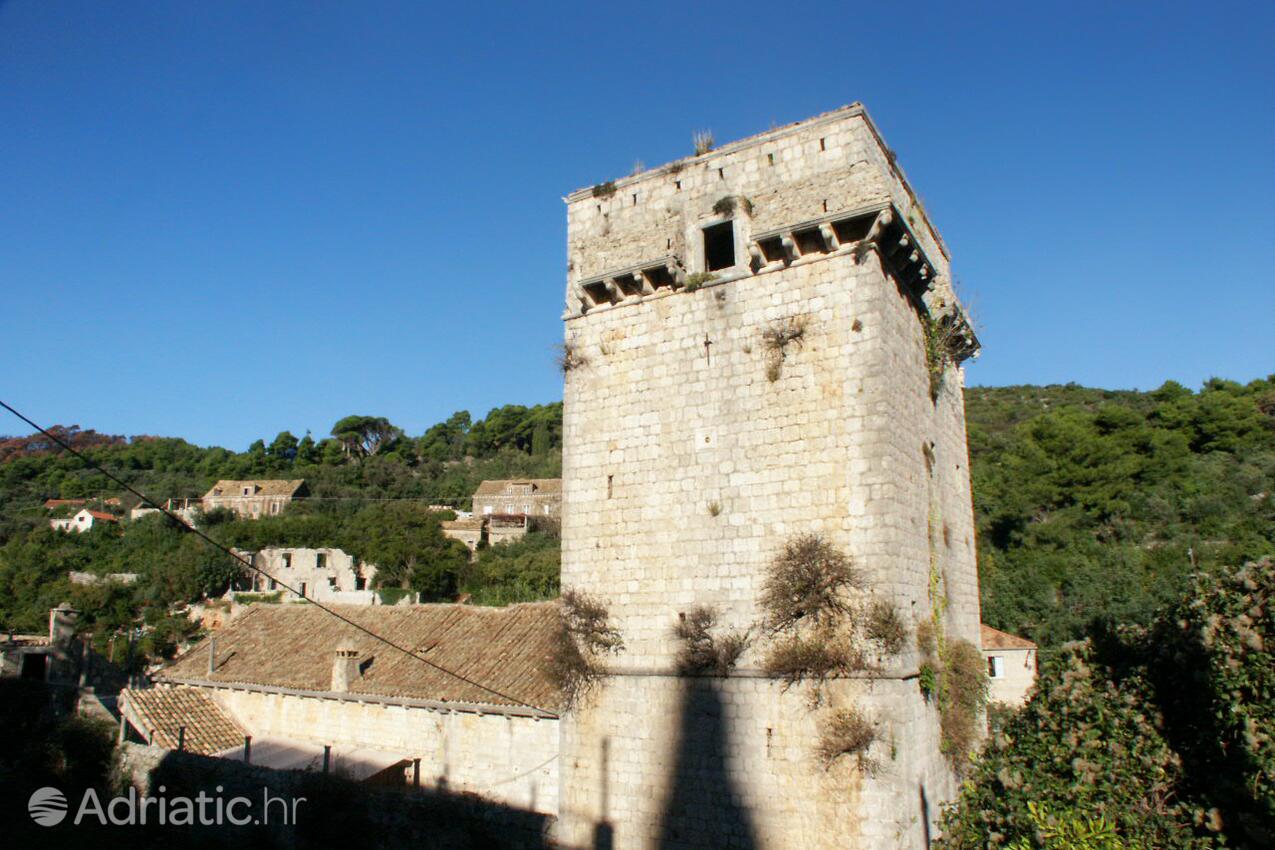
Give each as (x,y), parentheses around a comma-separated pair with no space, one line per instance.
(345,666)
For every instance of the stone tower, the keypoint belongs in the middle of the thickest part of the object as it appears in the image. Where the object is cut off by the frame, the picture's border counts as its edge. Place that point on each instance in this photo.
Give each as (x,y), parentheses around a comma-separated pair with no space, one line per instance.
(746,337)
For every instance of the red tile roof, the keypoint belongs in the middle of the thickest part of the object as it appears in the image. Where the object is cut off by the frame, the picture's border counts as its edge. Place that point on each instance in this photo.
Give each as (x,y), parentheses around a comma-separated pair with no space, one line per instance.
(159,713)
(996,639)
(292,646)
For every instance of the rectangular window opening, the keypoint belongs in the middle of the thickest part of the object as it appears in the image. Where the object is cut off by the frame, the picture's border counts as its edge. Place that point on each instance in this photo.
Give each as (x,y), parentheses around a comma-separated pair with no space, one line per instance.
(719,246)
(598,292)
(659,278)
(995,667)
(320,561)
(770,158)
(772,249)
(810,241)
(629,285)
(850,230)
(287,560)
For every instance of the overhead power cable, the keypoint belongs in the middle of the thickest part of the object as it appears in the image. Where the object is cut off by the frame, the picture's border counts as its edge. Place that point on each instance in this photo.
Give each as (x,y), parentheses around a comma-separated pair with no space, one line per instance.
(181,523)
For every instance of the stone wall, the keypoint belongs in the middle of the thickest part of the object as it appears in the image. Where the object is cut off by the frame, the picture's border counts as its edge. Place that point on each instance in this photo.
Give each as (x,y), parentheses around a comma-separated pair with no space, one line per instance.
(508,759)
(687,468)
(295,566)
(330,812)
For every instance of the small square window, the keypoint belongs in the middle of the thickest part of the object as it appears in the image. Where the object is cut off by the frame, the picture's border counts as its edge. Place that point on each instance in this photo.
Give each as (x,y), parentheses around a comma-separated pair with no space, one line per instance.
(719,246)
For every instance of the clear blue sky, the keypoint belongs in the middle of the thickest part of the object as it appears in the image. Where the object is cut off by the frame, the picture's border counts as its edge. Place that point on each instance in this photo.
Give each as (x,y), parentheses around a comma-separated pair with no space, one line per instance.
(219,220)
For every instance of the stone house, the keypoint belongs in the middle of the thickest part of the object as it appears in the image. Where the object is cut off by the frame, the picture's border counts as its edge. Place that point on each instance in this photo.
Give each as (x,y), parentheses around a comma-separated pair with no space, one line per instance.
(89,579)
(761,341)
(1011,666)
(186,509)
(298,680)
(468,530)
(506,510)
(254,499)
(323,574)
(82,521)
(25,657)
(53,658)
(533,497)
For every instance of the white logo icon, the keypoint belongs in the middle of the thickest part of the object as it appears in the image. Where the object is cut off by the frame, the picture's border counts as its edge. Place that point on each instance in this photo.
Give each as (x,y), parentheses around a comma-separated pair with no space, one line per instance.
(47,807)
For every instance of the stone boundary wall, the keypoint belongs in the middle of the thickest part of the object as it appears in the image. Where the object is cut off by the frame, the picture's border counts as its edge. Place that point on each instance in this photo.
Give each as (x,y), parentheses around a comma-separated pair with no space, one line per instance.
(335,812)
(510,760)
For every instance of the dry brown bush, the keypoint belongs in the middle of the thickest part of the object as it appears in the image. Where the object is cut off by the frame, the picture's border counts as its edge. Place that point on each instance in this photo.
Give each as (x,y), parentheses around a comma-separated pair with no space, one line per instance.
(777,338)
(703,652)
(847,732)
(796,659)
(806,584)
(884,625)
(569,357)
(584,633)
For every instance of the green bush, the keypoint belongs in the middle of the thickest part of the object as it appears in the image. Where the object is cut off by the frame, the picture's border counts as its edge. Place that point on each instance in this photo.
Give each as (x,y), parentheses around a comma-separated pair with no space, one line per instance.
(524,570)
(1088,741)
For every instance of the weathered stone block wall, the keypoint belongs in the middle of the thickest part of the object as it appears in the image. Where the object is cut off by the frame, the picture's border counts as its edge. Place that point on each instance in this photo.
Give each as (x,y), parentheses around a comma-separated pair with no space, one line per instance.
(301,567)
(686,469)
(503,758)
(830,164)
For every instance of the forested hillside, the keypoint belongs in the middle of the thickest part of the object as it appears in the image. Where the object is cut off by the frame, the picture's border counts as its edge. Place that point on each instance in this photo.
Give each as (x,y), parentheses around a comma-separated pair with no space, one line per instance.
(1091,505)
(1097,505)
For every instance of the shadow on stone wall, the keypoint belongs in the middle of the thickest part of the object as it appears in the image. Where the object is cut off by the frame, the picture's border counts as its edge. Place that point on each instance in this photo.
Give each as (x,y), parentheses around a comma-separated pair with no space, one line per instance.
(339,812)
(330,811)
(703,807)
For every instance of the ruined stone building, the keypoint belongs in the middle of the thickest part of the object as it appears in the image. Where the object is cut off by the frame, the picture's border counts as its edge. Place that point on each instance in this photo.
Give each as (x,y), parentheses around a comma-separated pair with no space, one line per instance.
(323,574)
(254,499)
(762,342)
(186,509)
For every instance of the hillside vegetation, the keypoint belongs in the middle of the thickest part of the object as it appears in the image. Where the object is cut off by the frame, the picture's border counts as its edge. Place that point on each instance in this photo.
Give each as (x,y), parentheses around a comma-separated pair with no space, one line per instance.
(1112,527)
(1096,506)
(1092,506)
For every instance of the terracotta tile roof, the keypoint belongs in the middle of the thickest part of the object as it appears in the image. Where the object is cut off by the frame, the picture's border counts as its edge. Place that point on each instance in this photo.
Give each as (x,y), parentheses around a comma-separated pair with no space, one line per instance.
(103,516)
(470,524)
(996,639)
(539,486)
(292,646)
(57,503)
(160,712)
(261,487)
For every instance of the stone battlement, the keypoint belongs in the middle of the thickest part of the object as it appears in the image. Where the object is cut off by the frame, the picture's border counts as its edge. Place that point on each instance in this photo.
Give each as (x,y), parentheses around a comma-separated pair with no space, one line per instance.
(783,196)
